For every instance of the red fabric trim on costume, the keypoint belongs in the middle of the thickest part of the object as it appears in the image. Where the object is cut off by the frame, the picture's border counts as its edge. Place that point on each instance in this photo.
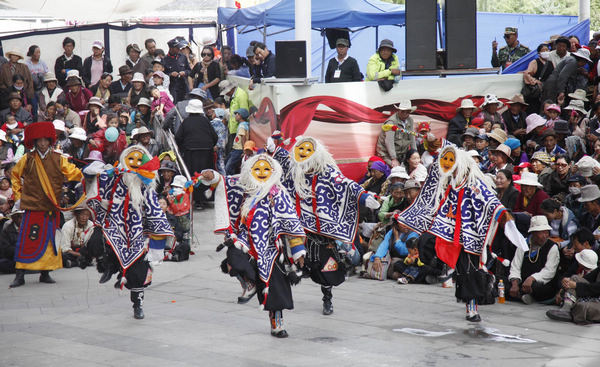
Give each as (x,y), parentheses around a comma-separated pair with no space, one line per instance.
(298,209)
(448,251)
(314,203)
(249,219)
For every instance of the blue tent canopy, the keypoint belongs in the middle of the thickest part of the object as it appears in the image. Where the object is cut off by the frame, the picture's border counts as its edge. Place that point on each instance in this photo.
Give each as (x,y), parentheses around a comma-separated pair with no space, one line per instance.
(325,14)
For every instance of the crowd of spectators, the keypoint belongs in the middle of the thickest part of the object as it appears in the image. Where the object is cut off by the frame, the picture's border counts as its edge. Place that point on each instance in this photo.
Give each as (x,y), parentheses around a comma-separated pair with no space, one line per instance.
(540,149)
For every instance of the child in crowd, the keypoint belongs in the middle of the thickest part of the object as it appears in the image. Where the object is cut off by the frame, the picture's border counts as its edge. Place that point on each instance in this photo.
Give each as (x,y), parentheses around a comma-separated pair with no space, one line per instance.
(14,130)
(161,102)
(179,205)
(422,130)
(161,82)
(235,156)
(6,152)
(109,142)
(553,113)
(249,150)
(412,269)
(481,145)
(6,189)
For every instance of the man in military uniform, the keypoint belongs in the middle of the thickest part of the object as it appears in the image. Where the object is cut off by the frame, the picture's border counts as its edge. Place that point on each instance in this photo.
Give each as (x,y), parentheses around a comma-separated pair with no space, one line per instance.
(510,53)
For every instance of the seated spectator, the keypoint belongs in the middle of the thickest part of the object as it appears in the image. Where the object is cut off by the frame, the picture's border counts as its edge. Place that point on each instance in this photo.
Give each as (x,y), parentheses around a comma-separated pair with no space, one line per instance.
(459,123)
(76,233)
(167,171)
(557,184)
(481,145)
(489,110)
(550,144)
(506,191)
(553,114)
(62,138)
(50,93)
(515,117)
(77,96)
(566,77)
(13,129)
(397,175)
(8,240)
(500,158)
(161,102)
(6,152)
(9,70)
(393,204)
(70,117)
(561,219)
(535,126)
(158,70)
(206,74)
(18,87)
(384,64)
(143,115)
(413,166)
(138,89)
(423,129)
(532,272)
(516,154)
(342,68)
(93,120)
(243,131)
(581,300)
(396,136)
(582,239)
(468,138)
(379,173)
(134,61)
(109,142)
(6,188)
(79,149)
(15,108)
(590,197)
(102,88)
(576,182)
(540,164)
(219,123)
(412,269)
(238,67)
(394,242)
(577,117)
(144,137)
(266,60)
(411,190)
(530,199)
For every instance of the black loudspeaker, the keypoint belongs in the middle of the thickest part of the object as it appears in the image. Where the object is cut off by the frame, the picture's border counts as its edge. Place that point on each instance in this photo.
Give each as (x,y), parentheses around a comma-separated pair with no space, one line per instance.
(290,59)
(333,34)
(421,33)
(461,34)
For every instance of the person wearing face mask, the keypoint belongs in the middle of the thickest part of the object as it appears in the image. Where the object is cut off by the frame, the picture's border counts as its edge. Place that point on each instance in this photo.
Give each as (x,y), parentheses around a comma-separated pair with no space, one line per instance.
(70,117)
(534,77)
(576,182)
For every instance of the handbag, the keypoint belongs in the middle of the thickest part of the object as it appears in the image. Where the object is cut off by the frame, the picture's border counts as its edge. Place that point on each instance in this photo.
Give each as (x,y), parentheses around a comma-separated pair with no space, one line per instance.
(379,275)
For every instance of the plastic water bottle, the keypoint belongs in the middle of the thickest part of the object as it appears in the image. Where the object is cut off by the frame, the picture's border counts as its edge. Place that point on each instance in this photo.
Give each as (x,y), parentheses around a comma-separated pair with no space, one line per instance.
(501,298)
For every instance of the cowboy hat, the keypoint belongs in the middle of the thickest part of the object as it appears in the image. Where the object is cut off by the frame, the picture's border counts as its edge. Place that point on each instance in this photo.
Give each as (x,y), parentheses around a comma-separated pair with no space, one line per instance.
(539,223)
(194,106)
(587,258)
(504,149)
(579,94)
(518,98)
(589,193)
(466,103)
(142,131)
(405,105)
(529,179)
(498,134)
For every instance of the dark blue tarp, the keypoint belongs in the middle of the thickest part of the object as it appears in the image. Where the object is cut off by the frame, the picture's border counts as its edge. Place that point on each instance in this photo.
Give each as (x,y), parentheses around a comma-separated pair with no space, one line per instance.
(581,30)
(325,14)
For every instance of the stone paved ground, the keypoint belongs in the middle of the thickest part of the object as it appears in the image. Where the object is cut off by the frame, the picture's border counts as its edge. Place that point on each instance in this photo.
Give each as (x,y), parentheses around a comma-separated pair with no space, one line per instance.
(192,320)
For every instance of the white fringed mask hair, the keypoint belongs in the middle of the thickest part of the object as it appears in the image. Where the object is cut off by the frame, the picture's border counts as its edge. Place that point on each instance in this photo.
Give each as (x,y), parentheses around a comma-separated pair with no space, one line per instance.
(309,156)
(259,175)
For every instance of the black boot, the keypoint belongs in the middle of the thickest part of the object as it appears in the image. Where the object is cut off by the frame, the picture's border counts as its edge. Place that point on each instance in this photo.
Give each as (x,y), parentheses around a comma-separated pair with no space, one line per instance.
(46,278)
(19,279)
(106,268)
(137,297)
(327,296)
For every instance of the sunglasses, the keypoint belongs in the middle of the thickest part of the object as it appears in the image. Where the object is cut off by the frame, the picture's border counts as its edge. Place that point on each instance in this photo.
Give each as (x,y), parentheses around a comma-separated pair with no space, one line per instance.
(205,54)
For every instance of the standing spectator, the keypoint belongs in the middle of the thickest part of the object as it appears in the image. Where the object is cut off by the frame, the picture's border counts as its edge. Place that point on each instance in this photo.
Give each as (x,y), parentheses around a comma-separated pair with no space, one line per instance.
(175,117)
(384,64)
(77,95)
(219,123)
(253,63)
(50,93)
(38,69)
(16,109)
(137,64)
(459,123)
(18,86)
(206,74)
(238,98)
(12,68)
(510,53)
(102,88)
(266,58)
(342,68)
(197,139)
(514,117)
(121,87)
(178,69)
(560,52)
(67,61)
(150,45)
(242,135)
(397,135)
(186,50)
(95,66)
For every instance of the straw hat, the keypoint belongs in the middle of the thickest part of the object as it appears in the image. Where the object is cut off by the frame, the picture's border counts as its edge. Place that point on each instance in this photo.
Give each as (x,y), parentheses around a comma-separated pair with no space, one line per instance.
(534,120)
(539,223)
(518,98)
(579,94)
(405,105)
(529,179)
(16,53)
(589,193)
(587,258)
(498,134)
(466,103)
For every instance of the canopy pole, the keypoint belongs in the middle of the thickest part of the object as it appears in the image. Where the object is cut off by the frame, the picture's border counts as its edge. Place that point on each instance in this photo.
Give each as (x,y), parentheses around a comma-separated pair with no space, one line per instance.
(584,10)
(323,57)
(303,27)
(376,38)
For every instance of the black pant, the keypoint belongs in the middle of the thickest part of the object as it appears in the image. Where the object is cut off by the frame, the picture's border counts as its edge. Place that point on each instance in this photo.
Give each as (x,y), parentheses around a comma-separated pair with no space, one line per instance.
(196,161)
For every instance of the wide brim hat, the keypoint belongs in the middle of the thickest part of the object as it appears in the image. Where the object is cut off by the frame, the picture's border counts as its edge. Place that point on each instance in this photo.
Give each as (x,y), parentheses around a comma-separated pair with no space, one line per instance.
(518,98)
(498,134)
(387,43)
(168,166)
(504,149)
(59,125)
(399,172)
(473,153)
(179,181)
(73,81)
(533,121)
(125,69)
(15,95)
(529,179)
(582,53)
(225,86)
(470,131)
(412,184)
(539,223)
(50,77)
(577,105)
(38,130)
(465,104)
(194,106)
(549,132)
(138,77)
(587,258)
(95,155)
(16,53)
(81,207)
(96,101)
(491,99)
(78,133)
(405,105)
(589,193)
(141,131)
(144,102)
(579,94)
(541,156)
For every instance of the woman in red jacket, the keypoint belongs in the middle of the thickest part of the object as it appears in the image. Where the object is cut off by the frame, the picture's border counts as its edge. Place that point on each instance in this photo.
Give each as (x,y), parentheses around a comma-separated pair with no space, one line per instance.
(531,196)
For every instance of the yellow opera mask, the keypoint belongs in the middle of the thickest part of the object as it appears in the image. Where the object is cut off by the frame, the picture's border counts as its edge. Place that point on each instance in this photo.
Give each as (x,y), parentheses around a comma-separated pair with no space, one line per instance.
(261,170)
(134,159)
(303,151)
(447,161)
